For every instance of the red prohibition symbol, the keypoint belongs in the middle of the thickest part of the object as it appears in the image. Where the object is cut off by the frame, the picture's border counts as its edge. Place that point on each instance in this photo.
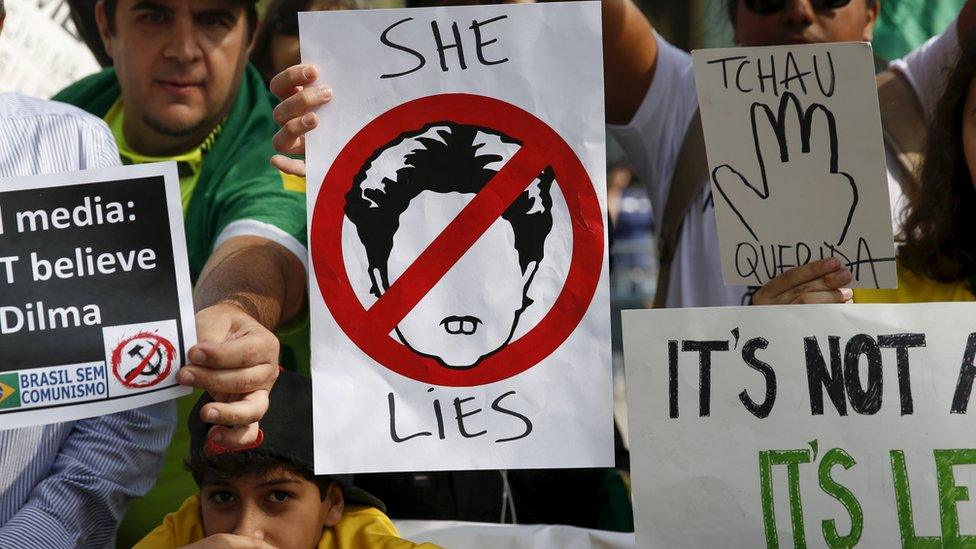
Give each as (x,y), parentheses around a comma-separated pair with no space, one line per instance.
(142,360)
(541,147)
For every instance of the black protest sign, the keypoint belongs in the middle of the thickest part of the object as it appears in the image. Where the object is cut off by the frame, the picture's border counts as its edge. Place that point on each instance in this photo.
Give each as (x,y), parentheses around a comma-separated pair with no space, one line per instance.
(95,304)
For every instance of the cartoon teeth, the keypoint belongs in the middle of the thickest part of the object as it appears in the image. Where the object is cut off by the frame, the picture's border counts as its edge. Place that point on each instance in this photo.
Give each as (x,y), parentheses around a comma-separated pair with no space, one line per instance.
(461,325)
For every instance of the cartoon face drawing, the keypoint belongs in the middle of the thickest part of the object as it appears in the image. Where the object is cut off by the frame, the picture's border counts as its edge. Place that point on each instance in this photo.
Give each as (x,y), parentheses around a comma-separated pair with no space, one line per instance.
(401,200)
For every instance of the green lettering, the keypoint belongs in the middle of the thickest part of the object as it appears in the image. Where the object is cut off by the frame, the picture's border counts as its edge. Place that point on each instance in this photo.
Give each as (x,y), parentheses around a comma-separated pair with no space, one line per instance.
(837,456)
(903,503)
(950,494)
(792,459)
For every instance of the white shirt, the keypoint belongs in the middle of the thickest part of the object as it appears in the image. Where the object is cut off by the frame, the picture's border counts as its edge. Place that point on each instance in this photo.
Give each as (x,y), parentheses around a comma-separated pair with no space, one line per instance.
(653,139)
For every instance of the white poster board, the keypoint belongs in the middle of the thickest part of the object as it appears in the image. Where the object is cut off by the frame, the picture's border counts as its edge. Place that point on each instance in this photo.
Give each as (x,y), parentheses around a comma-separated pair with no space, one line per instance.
(96,313)
(459,295)
(819,426)
(796,157)
(41,34)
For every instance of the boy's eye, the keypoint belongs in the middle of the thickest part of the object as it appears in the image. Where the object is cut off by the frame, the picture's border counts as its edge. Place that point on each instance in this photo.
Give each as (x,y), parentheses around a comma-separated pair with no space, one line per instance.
(220,497)
(279,496)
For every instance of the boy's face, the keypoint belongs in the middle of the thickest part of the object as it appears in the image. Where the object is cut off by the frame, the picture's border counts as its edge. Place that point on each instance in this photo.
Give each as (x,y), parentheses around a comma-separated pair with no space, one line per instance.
(280,507)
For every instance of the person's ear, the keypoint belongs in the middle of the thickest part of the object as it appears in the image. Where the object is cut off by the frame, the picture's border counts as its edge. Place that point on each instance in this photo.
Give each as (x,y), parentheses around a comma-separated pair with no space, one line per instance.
(872,17)
(101,19)
(333,506)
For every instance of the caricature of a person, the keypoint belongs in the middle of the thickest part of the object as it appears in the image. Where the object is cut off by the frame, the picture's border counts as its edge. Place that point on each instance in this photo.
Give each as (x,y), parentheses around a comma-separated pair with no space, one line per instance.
(406,194)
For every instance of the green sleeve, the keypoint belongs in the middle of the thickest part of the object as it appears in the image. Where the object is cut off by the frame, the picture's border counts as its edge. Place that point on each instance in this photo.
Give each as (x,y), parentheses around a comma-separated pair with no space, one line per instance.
(253,190)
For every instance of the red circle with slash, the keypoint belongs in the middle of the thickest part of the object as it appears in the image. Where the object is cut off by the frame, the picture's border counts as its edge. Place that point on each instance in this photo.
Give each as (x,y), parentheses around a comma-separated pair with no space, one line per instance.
(145,354)
(541,147)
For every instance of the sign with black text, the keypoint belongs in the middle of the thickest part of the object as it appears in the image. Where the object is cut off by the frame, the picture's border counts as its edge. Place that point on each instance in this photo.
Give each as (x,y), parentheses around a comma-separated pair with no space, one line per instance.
(459,285)
(797,161)
(803,425)
(95,307)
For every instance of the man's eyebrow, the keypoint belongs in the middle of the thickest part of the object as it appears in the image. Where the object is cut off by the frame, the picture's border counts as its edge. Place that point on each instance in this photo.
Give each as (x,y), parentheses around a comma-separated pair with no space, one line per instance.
(149,5)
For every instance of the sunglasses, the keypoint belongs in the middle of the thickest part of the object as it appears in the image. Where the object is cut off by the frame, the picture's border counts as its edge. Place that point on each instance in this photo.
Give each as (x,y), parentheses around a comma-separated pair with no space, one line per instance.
(768,7)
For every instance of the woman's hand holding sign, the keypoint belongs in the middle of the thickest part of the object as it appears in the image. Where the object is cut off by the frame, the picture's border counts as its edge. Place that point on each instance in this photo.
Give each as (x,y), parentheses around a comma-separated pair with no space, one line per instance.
(804,147)
(818,282)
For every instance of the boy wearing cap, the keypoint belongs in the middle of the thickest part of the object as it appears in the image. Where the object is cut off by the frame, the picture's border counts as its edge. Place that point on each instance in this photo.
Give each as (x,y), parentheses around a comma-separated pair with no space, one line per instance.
(268,495)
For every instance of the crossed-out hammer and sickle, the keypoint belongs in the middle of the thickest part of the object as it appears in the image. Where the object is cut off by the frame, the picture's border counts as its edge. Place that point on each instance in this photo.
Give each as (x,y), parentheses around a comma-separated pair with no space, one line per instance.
(152,369)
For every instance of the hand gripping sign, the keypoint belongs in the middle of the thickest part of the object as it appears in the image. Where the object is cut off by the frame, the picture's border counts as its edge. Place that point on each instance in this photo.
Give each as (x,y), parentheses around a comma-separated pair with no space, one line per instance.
(458,248)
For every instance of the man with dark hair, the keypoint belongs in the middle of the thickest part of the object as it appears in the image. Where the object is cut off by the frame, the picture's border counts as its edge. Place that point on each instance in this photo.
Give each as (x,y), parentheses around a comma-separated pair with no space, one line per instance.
(181,89)
(430,171)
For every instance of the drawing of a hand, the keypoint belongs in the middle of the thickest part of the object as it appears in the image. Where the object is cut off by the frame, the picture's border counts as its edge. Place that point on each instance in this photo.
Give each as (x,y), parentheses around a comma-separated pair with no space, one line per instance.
(806,143)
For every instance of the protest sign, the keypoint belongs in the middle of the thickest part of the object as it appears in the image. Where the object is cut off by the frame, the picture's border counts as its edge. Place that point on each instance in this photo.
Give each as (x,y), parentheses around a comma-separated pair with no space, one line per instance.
(796,157)
(95,307)
(803,426)
(457,196)
(40,33)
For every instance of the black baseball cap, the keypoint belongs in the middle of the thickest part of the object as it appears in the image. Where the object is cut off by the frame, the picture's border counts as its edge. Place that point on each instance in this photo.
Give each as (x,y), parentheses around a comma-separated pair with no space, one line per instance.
(286,432)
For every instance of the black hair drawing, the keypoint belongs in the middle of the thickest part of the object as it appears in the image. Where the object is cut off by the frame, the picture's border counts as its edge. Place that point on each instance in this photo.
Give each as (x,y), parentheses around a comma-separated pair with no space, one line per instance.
(442,157)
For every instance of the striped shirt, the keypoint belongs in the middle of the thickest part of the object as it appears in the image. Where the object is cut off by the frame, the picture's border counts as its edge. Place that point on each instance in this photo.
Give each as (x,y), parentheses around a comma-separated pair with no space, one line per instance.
(67,485)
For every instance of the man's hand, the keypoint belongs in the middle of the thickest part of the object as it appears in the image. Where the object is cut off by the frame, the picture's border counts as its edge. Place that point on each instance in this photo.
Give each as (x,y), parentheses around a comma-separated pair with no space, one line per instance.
(296,114)
(229,541)
(818,282)
(236,360)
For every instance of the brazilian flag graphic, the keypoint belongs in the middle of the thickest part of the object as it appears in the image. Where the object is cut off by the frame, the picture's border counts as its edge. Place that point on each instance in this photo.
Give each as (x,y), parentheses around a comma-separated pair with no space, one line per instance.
(9,391)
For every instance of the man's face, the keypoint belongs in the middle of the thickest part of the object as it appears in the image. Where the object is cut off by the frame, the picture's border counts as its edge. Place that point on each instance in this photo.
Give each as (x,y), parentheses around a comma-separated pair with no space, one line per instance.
(281,508)
(799,23)
(179,63)
(473,309)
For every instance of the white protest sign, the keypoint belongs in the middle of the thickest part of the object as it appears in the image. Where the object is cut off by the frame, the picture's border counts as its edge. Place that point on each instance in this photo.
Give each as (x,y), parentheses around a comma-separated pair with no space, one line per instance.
(40,33)
(803,426)
(796,157)
(459,295)
(96,313)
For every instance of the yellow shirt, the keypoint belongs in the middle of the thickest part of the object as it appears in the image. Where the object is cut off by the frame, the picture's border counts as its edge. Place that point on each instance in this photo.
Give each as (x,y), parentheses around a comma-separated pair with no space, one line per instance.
(913,288)
(189,163)
(361,527)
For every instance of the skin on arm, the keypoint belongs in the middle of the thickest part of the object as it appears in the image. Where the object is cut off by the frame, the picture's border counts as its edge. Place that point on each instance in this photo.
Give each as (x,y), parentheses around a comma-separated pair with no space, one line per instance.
(818,282)
(629,57)
(248,287)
